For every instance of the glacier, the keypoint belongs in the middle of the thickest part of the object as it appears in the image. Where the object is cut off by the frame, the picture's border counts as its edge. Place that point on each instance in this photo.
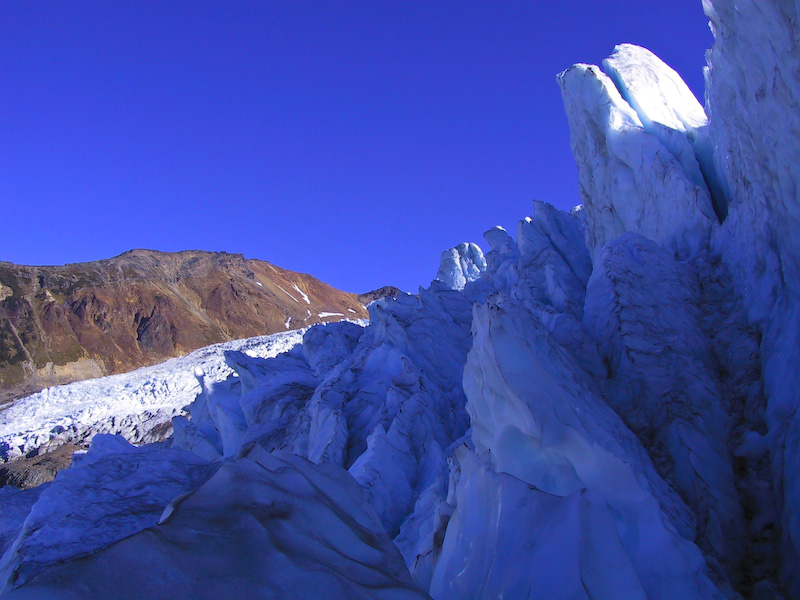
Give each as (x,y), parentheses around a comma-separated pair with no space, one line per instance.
(604,405)
(132,404)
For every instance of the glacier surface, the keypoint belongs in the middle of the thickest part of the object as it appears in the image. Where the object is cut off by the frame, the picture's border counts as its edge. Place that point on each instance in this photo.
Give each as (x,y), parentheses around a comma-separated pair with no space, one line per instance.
(130,404)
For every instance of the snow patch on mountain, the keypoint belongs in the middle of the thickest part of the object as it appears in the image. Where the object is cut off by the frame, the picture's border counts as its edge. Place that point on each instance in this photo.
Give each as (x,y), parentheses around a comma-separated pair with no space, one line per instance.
(302,293)
(288,294)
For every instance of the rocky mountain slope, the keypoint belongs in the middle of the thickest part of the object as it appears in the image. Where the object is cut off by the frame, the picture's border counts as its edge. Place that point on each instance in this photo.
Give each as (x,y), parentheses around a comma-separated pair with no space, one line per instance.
(603,406)
(73,322)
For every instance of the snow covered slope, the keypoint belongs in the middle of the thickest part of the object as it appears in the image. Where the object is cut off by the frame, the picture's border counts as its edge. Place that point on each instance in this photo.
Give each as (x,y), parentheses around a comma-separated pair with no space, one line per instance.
(602,406)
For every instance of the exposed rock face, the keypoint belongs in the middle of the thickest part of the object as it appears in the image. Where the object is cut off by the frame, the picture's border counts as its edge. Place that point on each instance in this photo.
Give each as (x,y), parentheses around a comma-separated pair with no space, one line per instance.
(387,291)
(31,471)
(63,324)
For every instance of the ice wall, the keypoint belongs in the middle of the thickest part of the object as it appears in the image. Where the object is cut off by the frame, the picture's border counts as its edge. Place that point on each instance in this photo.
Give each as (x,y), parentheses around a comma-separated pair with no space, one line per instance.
(753,99)
(742,162)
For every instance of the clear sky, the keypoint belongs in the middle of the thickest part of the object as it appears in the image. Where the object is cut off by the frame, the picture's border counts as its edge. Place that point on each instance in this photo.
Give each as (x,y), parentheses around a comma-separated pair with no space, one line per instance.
(352,140)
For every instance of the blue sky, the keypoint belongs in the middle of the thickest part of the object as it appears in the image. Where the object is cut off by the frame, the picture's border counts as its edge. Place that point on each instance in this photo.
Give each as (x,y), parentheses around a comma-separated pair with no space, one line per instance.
(351,140)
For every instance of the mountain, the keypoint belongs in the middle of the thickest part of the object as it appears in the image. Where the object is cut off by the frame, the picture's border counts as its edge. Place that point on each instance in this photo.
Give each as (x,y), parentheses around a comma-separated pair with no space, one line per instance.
(604,405)
(78,321)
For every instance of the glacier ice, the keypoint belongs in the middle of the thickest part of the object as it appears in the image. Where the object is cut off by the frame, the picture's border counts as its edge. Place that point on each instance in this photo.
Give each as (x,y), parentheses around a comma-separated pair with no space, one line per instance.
(270,525)
(537,417)
(629,181)
(753,90)
(746,153)
(663,380)
(602,406)
(461,265)
(123,487)
(129,404)
(668,110)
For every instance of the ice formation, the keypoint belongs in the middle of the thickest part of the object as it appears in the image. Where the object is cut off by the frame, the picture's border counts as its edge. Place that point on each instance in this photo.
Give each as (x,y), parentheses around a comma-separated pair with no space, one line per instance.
(460,265)
(602,406)
(631,168)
